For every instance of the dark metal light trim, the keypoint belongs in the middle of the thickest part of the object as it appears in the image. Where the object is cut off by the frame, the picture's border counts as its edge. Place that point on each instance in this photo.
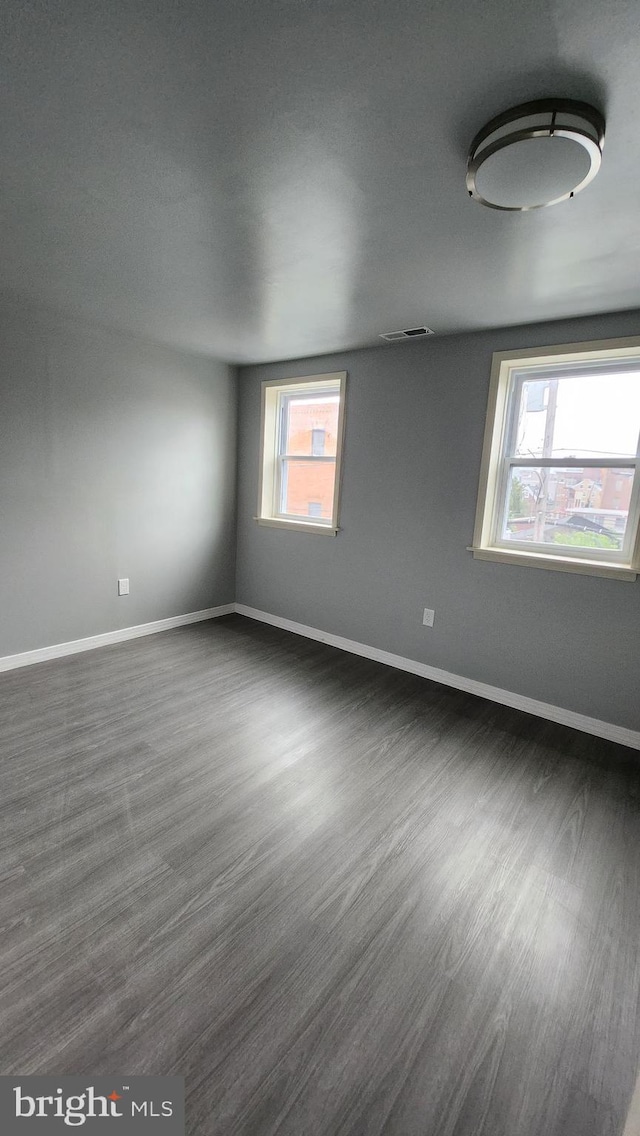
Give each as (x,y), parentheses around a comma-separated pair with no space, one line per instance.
(590,136)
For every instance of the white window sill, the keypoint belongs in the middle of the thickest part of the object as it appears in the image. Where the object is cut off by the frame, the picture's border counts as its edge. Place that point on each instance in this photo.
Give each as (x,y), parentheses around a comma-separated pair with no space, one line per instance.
(297,526)
(556,563)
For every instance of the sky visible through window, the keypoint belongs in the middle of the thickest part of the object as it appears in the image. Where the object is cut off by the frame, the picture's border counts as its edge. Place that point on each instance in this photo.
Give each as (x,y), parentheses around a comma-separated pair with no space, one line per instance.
(595,416)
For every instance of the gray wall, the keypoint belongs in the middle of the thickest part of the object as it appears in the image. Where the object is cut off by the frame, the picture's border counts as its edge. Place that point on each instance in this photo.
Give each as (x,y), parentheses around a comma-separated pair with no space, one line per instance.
(117,458)
(414,428)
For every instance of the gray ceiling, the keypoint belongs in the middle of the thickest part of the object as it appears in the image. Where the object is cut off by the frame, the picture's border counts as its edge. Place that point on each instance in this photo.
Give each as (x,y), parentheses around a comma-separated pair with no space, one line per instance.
(263,179)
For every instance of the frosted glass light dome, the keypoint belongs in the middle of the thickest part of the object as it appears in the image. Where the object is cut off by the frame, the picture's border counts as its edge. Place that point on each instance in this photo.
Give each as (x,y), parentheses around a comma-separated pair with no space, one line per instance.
(536,154)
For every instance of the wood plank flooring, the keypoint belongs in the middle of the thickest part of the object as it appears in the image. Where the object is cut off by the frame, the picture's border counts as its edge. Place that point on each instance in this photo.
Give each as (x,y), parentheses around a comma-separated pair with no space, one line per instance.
(341,900)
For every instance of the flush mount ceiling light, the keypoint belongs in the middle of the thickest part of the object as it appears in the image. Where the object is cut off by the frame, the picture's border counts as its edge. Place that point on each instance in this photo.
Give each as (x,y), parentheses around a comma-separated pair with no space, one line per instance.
(535,155)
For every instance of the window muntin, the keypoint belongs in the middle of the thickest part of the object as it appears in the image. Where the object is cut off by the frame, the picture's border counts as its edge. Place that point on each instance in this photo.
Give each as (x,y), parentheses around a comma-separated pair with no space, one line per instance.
(560,467)
(303,422)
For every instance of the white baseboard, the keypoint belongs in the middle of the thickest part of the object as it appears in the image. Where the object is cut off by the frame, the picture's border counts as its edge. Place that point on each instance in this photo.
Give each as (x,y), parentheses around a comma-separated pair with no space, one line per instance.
(595,726)
(58,650)
(600,729)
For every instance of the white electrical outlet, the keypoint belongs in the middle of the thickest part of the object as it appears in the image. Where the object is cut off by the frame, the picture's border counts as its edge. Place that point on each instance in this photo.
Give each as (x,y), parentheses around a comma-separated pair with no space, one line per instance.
(123,587)
(428,617)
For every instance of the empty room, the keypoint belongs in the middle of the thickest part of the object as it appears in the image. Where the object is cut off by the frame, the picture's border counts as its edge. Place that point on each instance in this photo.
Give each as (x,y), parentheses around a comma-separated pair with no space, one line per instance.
(319,550)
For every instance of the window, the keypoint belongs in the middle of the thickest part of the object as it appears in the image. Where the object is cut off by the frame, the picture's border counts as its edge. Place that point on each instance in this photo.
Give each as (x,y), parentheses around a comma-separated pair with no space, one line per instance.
(302,429)
(317,441)
(560,481)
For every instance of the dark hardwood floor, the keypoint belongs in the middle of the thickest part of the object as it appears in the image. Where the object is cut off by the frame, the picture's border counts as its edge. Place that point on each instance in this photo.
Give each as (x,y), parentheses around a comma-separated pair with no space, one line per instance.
(338,898)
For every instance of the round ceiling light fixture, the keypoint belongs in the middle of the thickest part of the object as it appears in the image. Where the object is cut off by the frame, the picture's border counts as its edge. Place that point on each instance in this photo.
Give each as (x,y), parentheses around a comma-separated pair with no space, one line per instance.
(535,155)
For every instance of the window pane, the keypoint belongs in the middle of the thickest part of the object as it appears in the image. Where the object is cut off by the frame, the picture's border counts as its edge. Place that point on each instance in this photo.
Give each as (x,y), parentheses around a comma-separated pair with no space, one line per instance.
(581,508)
(579,416)
(307,489)
(310,425)
(318,439)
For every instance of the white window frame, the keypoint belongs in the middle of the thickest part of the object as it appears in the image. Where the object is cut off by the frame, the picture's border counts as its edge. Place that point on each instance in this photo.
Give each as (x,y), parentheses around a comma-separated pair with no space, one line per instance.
(496,459)
(272,460)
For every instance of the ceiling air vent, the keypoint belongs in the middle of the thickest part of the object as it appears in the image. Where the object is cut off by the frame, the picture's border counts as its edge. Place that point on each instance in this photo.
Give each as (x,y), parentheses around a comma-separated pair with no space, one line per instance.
(408,333)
